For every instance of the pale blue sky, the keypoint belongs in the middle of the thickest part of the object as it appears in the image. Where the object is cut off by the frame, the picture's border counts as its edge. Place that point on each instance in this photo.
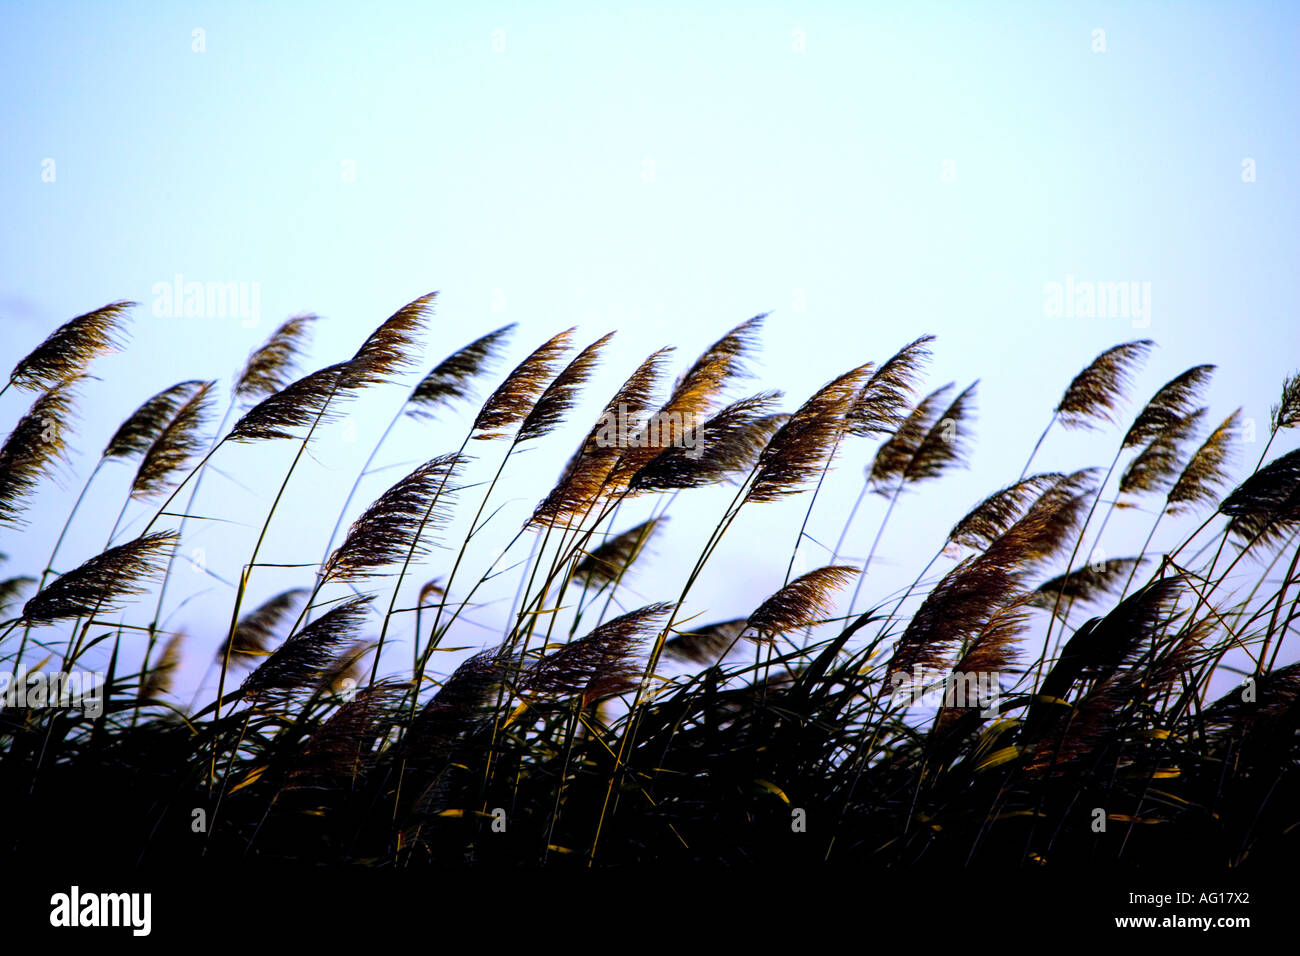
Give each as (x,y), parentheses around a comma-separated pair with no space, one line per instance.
(667,172)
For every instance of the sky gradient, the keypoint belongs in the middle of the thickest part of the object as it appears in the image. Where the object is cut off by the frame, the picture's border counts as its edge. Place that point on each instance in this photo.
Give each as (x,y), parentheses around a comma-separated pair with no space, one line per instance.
(866,173)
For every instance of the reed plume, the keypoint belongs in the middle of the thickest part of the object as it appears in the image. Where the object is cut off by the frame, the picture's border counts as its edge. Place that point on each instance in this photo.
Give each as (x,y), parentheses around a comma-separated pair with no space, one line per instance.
(968,597)
(36,444)
(606,563)
(993,651)
(71,347)
(1096,392)
(991,518)
(801,448)
(301,659)
(945,444)
(137,434)
(706,644)
(158,681)
(598,665)
(451,380)
(301,404)
(1103,644)
(586,475)
(1175,400)
(515,397)
(459,705)
(393,526)
(430,591)
(724,360)
(1286,413)
(11,588)
(271,366)
(551,407)
(177,442)
(1157,466)
(1206,470)
(103,582)
(723,449)
(341,747)
(896,452)
(1088,583)
(257,630)
(1267,504)
(803,602)
(884,402)
(694,395)
(391,348)
(344,672)
(678,422)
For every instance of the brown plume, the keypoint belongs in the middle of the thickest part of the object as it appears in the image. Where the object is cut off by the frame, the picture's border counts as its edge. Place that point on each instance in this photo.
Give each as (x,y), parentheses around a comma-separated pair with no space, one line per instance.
(390,348)
(967,598)
(396,524)
(342,746)
(990,519)
(451,380)
(723,449)
(515,398)
(271,367)
(897,452)
(947,442)
(135,435)
(586,475)
(929,442)
(801,448)
(1206,471)
(1096,392)
(103,582)
(71,347)
(1088,583)
(459,706)
(1267,504)
(609,561)
(720,362)
(1157,466)
(344,672)
(1286,413)
(35,445)
(1103,644)
(803,602)
(303,404)
(158,682)
(179,440)
(257,629)
(300,660)
(883,404)
(679,421)
(1175,400)
(705,645)
(598,665)
(993,651)
(558,400)
(11,588)
(430,591)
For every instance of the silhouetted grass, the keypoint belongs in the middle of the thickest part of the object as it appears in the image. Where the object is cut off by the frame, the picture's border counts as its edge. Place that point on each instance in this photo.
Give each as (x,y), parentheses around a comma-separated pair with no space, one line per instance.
(775,738)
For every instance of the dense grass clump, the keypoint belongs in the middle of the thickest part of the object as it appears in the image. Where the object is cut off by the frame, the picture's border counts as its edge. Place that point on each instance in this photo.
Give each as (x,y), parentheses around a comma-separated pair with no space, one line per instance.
(1027,703)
